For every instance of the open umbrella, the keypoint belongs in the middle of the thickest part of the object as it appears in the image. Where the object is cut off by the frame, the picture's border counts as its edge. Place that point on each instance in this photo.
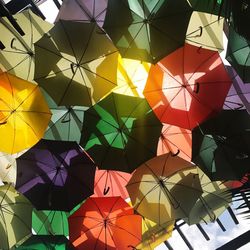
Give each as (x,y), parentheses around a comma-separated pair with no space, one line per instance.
(15,219)
(147,30)
(237,55)
(187,86)
(18,55)
(164,188)
(176,140)
(239,94)
(221,145)
(206,31)
(106,223)
(214,200)
(76,63)
(111,183)
(117,127)
(24,114)
(65,123)
(55,175)
(46,242)
(84,11)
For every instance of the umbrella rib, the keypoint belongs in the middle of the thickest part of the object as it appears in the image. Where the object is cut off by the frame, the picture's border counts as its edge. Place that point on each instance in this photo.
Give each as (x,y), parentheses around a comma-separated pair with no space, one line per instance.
(99,236)
(159,207)
(44,221)
(186,107)
(5,228)
(82,9)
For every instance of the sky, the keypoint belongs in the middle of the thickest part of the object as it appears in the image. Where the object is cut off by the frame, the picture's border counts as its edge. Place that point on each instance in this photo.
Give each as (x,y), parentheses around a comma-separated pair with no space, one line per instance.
(217,236)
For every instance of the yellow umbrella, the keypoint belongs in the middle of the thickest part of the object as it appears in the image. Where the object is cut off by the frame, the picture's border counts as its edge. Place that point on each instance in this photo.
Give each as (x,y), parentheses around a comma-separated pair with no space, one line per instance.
(206,31)
(214,200)
(24,114)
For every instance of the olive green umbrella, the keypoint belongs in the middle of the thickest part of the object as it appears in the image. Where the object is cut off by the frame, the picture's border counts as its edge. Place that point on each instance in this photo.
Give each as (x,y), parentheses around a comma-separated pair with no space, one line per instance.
(15,219)
(214,200)
(147,30)
(18,55)
(120,132)
(238,51)
(76,63)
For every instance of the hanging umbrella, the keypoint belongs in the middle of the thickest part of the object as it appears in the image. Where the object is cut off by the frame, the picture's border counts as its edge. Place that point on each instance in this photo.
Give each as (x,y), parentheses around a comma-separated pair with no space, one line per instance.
(84,11)
(153,234)
(18,55)
(76,63)
(55,175)
(106,223)
(111,183)
(214,200)
(24,114)
(221,145)
(117,127)
(239,94)
(15,219)
(176,140)
(238,49)
(206,31)
(65,123)
(164,188)
(188,86)
(46,242)
(147,30)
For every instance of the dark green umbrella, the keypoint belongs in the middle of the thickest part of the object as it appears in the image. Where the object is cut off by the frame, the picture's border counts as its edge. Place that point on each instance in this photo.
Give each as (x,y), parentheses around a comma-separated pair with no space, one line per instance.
(65,123)
(120,132)
(147,30)
(238,51)
(76,63)
(46,242)
(221,145)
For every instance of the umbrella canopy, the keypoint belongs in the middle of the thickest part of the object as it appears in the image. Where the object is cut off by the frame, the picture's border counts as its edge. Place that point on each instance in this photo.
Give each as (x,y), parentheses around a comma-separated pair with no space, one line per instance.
(18,56)
(65,123)
(76,63)
(205,30)
(111,183)
(238,49)
(55,175)
(164,188)
(147,30)
(221,145)
(188,86)
(15,219)
(105,223)
(24,114)
(117,127)
(214,200)
(208,6)
(84,11)
(176,140)
(239,94)
(45,242)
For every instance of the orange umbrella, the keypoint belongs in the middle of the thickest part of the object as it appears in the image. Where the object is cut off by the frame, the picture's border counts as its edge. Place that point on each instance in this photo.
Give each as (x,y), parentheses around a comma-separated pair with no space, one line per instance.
(187,86)
(111,183)
(176,140)
(105,223)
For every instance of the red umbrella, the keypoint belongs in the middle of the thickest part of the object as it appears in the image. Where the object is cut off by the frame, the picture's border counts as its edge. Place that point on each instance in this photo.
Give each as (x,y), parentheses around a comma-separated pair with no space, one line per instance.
(187,86)
(176,140)
(106,223)
(111,183)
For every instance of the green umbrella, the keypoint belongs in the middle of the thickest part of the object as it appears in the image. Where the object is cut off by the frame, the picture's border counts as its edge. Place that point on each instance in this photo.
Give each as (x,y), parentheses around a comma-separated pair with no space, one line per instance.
(76,63)
(46,242)
(221,145)
(15,219)
(18,56)
(147,30)
(120,132)
(65,123)
(238,50)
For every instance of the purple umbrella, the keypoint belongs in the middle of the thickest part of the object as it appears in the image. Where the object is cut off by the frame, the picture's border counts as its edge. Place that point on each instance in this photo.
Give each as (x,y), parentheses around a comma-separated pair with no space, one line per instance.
(55,175)
(83,10)
(239,93)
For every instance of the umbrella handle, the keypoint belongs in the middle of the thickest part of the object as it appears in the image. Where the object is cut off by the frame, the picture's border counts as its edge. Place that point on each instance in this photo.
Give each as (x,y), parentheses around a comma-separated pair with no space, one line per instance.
(72,68)
(197,84)
(201,30)
(134,248)
(106,190)
(2,46)
(175,154)
(2,123)
(65,120)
